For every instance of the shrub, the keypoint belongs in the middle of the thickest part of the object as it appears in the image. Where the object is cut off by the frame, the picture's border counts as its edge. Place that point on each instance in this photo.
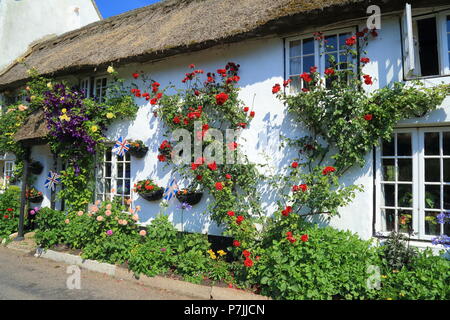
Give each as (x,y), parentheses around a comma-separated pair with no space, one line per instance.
(395,253)
(9,211)
(328,264)
(50,227)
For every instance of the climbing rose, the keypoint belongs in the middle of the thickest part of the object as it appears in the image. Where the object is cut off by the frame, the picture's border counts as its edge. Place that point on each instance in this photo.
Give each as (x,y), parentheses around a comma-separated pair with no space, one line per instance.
(109,232)
(162,158)
(327,170)
(368,117)
(212,166)
(230,213)
(228,176)
(219,186)
(286,211)
(365,60)
(176,120)
(306,77)
(304,238)
(329,71)
(351,41)
(199,177)
(143,233)
(239,219)
(135,75)
(367,79)
(248,263)
(192,66)
(221,98)
(294,164)
(236,243)
(246,109)
(286,82)
(252,114)
(276,88)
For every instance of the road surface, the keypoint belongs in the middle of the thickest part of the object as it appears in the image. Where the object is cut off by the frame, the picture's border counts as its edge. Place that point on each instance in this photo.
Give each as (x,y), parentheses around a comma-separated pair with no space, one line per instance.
(24,277)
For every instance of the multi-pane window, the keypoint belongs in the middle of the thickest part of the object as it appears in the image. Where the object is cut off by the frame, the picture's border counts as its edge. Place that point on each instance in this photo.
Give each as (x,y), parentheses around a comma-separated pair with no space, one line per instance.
(114,176)
(100,87)
(306,52)
(85,86)
(302,56)
(415,181)
(448,37)
(7,170)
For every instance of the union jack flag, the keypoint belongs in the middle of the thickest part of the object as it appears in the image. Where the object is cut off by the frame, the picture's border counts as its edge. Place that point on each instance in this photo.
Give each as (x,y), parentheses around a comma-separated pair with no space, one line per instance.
(52,180)
(121,147)
(171,190)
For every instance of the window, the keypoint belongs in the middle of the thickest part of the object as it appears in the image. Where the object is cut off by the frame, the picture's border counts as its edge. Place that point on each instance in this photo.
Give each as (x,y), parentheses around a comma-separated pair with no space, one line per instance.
(85,86)
(415,181)
(426,44)
(100,86)
(302,53)
(114,176)
(6,172)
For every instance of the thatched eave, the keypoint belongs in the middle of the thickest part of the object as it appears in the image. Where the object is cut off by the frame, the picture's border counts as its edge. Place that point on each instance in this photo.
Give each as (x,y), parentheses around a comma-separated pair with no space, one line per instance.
(34,129)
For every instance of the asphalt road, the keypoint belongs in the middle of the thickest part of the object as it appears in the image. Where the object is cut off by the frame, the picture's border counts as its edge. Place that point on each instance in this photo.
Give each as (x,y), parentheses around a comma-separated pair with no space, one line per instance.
(24,277)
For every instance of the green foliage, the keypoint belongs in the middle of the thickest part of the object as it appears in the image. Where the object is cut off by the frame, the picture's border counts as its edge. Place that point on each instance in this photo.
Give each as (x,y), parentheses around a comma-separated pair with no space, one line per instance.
(395,253)
(50,227)
(331,264)
(9,211)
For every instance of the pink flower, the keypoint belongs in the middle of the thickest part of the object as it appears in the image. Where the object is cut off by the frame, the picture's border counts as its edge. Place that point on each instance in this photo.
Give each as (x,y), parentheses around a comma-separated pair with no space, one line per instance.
(135,217)
(100,218)
(80,213)
(109,206)
(107,213)
(109,232)
(66,221)
(143,233)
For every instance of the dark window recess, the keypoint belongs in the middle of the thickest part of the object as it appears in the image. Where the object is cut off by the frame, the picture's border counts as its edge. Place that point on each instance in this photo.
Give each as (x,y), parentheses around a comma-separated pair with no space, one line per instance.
(428,51)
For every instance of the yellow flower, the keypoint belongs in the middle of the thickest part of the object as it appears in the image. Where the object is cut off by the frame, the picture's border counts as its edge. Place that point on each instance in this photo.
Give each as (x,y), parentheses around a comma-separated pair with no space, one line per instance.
(383,276)
(64,110)
(212,255)
(221,253)
(110,69)
(110,115)
(94,128)
(389,299)
(402,294)
(64,117)
(49,85)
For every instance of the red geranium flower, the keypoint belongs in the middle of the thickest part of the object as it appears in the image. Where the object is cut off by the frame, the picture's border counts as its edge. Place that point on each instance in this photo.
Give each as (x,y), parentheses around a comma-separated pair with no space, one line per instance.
(176,120)
(219,186)
(328,170)
(276,88)
(236,243)
(221,98)
(239,219)
(212,166)
(368,117)
(304,238)
(246,253)
(248,263)
(230,213)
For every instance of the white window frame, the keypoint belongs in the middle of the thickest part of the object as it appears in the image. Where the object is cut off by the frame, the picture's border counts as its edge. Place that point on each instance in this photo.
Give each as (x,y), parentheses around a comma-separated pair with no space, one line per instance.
(418,182)
(85,84)
(442,44)
(99,92)
(319,49)
(114,178)
(8,170)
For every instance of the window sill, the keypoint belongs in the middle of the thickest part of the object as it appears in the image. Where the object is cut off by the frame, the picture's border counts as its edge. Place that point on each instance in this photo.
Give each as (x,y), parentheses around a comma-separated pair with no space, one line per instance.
(427,77)
(418,243)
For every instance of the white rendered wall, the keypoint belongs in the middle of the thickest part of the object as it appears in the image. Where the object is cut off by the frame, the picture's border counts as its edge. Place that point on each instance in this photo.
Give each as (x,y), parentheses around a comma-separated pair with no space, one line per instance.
(25,21)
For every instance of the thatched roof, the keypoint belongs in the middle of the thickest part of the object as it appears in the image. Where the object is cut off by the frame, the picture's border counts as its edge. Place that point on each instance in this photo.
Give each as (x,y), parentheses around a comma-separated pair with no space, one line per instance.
(34,129)
(166,28)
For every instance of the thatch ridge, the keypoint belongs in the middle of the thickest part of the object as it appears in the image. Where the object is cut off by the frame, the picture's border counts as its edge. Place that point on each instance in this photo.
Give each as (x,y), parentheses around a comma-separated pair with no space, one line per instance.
(34,128)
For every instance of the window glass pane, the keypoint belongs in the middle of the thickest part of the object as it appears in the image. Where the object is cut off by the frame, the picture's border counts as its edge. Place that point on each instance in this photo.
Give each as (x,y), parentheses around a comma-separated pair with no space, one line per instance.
(446,170)
(389,219)
(108,155)
(127,171)
(295,66)
(120,189)
(404,195)
(308,62)
(432,227)
(388,148)
(389,195)
(308,46)
(295,85)
(432,197)
(127,156)
(330,60)
(331,43)
(295,48)
(447,198)
(404,169)
(127,187)
(388,170)
(404,144)
(446,141)
(342,62)
(107,185)
(120,170)
(404,221)
(432,143)
(100,187)
(342,39)
(432,170)
(108,169)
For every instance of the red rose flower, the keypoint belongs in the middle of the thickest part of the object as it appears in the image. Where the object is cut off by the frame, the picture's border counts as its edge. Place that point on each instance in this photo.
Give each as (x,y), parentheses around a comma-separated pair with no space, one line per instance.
(239,219)
(219,186)
(328,170)
(212,166)
(329,71)
(306,77)
(368,117)
(252,114)
(246,109)
(176,120)
(191,66)
(313,69)
(228,176)
(135,75)
(286,211)
(248,263)
(221,98)
(286,82)
(162,158)
(276,88)
(351,41)
(367,79)
(294,164)
(303,187)
(199,177)
(6,216)
(365,60)
(246,253)
(236,243)
(304,238)
(10,209)
(230,213)
(197,93)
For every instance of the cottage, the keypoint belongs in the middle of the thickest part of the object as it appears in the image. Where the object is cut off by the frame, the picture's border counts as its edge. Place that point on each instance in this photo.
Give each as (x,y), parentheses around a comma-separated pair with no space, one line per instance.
(407,178)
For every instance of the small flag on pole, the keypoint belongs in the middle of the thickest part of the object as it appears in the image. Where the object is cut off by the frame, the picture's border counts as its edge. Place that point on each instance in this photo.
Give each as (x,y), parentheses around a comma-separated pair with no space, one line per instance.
(121,147)
(52,180)
(171,190)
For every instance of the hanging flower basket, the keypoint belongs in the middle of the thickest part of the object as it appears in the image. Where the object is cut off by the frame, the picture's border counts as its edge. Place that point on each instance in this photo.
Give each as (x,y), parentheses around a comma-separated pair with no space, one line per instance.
(36,167)
(138,149)
(34,196)
(149,190)
(189,197)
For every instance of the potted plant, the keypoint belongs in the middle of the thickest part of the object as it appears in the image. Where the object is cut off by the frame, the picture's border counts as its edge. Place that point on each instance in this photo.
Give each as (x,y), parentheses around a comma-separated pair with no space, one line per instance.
(165,151)
(36,167)
(138,149)
(34,196)
(190,195)
(149,190)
